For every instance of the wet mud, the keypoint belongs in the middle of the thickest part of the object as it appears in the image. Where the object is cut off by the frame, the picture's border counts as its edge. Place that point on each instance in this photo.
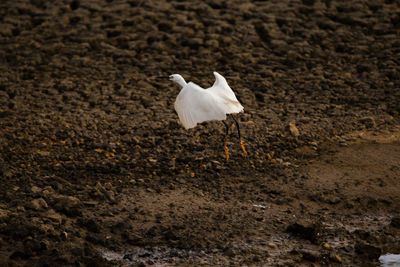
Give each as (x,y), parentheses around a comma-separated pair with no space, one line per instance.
(96,170)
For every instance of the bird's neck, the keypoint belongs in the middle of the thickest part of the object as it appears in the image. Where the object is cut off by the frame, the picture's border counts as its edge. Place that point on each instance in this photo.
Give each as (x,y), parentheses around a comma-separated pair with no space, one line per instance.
(181,81)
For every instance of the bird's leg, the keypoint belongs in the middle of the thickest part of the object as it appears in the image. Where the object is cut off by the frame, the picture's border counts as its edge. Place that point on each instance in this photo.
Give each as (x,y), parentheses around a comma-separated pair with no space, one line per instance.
(226,140)
(240,138)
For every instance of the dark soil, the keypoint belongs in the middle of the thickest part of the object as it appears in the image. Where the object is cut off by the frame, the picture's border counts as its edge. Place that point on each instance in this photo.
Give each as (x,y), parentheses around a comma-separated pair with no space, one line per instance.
(94,164)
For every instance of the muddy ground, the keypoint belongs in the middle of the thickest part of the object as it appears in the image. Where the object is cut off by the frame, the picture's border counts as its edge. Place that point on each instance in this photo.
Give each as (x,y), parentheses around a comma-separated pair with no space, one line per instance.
(96,170)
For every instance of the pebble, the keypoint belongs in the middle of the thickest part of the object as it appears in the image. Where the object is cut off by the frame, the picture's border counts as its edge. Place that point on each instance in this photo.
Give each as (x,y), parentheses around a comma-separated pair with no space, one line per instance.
(53,216)
(337,258)
(293,129)
(38,204)
(36,189)
(68,204)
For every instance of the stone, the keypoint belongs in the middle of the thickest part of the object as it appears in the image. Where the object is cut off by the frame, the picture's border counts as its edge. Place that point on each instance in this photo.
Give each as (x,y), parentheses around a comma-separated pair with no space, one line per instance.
(268,31)
(293,129)
(68,204)
(336,258)
(38,204)
(53,216)
(36,189)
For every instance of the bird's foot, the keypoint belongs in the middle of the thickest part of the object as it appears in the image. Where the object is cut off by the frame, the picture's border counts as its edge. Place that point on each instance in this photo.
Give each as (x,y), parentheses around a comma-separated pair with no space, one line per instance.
(244,150)
(226,152)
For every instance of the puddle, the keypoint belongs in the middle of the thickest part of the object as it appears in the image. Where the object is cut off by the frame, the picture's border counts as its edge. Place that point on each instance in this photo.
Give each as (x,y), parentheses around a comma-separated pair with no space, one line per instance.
(156,256)
(390,260)
(167,256)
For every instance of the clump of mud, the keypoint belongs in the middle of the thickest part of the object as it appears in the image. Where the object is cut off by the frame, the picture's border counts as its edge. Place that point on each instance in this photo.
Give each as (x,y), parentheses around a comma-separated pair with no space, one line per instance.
(93,157)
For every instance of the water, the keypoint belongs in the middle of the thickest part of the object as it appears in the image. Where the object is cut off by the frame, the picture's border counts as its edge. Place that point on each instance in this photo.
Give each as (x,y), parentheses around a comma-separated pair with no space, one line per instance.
(390,260)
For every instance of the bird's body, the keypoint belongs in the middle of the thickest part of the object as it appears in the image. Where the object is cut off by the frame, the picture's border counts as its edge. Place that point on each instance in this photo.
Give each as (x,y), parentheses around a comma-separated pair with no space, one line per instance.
(196,105)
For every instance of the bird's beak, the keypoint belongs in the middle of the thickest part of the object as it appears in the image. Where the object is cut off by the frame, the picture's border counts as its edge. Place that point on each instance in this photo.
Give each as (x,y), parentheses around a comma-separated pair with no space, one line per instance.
(163,77)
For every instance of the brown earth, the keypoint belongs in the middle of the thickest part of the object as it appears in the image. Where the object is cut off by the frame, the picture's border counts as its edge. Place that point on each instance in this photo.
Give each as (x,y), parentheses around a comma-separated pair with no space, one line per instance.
(96,170)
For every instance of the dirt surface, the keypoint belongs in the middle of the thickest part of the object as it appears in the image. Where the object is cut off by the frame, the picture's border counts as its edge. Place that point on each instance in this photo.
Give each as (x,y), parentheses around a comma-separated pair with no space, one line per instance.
(96,170)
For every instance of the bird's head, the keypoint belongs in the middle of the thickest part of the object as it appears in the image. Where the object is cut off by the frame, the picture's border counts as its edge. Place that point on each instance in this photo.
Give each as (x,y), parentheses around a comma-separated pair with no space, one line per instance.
(175,77)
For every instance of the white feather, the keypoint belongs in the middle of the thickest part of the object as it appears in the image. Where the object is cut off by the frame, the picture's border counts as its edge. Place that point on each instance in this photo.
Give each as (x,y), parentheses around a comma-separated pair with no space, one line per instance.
(196,105)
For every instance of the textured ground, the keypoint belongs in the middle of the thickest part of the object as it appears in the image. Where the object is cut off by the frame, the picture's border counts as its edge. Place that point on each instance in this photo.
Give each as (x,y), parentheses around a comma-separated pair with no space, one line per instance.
(94,163)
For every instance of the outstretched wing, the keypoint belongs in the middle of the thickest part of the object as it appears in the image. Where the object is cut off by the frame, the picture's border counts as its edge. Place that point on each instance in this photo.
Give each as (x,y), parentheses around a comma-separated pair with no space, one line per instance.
(195,105)
(222,90)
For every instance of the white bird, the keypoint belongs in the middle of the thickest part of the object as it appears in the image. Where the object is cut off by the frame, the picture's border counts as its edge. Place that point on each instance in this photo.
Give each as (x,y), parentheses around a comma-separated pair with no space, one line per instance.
(196,105)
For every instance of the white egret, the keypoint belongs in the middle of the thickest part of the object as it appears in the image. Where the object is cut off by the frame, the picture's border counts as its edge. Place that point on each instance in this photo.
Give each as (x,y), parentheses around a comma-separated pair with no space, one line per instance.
(195,105)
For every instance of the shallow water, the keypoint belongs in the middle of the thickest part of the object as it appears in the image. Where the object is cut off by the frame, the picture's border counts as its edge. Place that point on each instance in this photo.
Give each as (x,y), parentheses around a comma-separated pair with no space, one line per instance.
(156,256)
(390,260)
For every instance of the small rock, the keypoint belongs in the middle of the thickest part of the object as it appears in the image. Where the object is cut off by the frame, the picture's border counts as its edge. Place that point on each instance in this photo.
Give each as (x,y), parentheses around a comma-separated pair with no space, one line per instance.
(64,235)
(53,216)
(336,258)
(314,144)
(38,204)
(293,129)
(268,32)
(68,204)
(36,189)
